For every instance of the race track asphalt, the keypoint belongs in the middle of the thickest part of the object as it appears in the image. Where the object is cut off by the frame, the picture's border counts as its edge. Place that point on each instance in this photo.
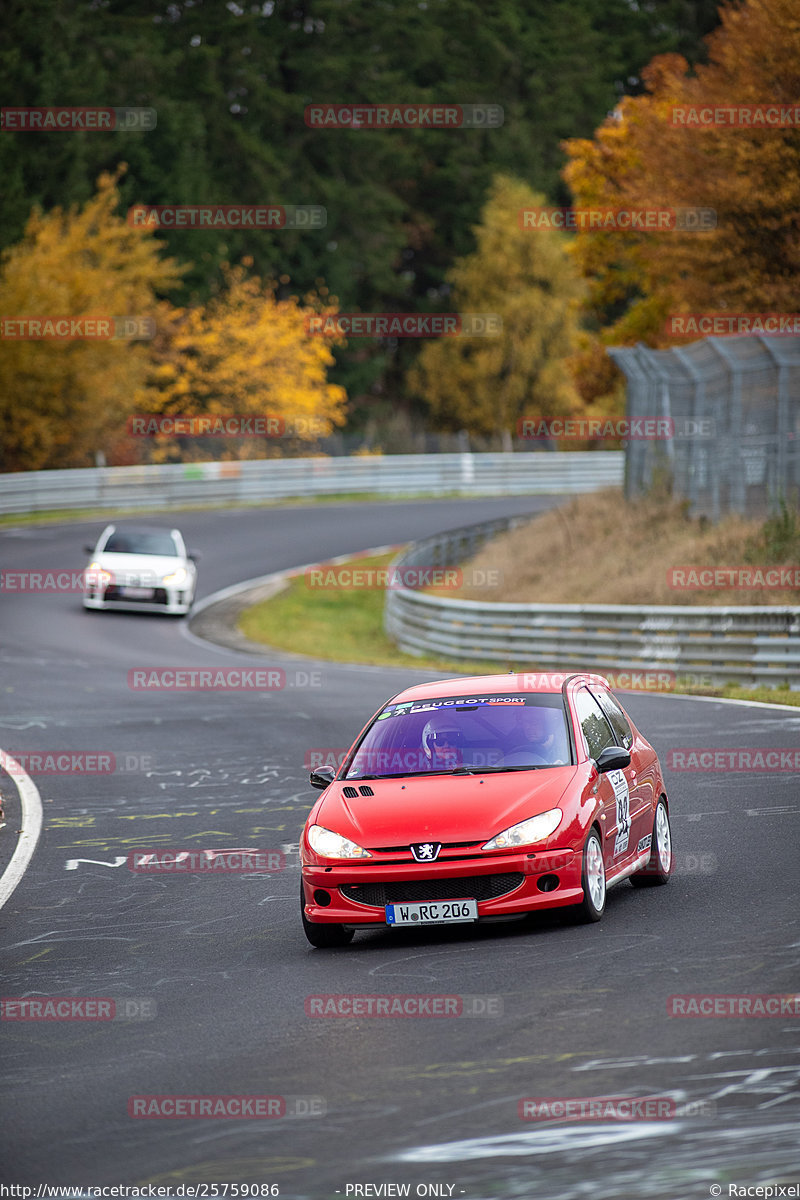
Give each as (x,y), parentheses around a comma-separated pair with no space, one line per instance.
(221,965)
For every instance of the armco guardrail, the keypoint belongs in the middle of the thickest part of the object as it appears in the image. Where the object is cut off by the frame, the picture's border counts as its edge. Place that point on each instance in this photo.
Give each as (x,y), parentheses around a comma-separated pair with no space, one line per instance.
(173,485)
(747,645)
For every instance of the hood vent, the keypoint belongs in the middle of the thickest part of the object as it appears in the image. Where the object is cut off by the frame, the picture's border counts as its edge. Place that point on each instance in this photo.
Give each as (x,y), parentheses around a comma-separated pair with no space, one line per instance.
(350,792)
(366,790)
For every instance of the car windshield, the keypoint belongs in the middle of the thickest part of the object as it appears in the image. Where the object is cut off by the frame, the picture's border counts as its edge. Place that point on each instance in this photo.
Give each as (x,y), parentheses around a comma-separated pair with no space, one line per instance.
(464,734)
(141,541)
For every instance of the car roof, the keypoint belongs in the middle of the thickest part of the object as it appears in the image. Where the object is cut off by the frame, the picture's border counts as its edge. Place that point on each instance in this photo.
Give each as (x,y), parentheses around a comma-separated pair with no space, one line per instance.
(494,685)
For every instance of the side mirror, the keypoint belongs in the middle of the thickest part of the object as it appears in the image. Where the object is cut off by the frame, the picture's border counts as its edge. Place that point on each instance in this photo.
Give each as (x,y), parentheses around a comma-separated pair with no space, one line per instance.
(322,777)
(193,555)
(88,549)
(613,758)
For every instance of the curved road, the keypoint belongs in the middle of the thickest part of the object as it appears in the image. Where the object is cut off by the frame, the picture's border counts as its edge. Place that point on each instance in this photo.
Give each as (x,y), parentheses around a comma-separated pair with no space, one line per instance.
(219,970)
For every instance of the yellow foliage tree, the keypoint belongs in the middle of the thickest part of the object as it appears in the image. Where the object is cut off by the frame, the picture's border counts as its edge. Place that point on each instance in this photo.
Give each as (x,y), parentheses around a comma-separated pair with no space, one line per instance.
(647,155)
(248,354)
(486,384)
(61,400)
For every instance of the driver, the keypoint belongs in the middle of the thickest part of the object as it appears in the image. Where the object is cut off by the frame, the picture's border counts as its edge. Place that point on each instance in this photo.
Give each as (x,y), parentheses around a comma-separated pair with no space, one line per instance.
(442,743)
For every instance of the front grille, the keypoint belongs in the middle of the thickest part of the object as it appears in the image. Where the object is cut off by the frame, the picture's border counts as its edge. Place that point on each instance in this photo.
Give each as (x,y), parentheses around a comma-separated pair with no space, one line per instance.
(409,891)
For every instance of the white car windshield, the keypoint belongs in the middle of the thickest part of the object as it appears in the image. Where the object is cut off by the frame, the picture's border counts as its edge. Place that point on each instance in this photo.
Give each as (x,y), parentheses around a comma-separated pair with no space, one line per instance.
(141,541)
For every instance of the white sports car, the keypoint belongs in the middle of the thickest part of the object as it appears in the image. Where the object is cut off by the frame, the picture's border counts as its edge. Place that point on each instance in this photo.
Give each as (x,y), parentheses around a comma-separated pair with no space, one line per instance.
(143,567)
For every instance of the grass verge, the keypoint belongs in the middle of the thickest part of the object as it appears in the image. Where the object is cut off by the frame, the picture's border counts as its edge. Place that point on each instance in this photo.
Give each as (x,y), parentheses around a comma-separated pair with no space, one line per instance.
(341,625)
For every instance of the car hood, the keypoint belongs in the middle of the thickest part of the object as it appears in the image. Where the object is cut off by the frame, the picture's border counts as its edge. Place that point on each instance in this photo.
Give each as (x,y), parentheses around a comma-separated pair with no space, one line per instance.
(442,808)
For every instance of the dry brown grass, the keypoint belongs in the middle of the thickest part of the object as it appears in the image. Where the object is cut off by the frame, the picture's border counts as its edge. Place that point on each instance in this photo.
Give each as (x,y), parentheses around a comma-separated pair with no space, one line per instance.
(598,549)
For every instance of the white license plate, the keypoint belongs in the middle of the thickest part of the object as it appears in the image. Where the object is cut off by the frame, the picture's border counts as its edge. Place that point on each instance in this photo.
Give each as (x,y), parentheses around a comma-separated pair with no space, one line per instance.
(437,912)
(137,593)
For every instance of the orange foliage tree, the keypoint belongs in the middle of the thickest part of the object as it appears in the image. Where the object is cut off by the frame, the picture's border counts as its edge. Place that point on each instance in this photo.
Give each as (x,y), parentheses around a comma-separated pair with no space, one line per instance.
(654,152)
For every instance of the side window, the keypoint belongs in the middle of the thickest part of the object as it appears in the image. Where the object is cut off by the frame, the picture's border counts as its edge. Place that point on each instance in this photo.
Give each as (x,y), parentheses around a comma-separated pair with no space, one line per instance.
(596,728)
(617,719)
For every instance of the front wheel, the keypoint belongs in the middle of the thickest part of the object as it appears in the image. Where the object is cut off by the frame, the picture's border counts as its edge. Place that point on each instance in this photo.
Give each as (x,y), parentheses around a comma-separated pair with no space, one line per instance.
(323,936)
(593,880)
(659,866)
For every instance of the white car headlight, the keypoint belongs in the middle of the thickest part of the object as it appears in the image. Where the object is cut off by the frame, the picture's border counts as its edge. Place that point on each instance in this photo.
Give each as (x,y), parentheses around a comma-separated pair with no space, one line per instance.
(178,577)
(535,829)
(96,576)
(328,844)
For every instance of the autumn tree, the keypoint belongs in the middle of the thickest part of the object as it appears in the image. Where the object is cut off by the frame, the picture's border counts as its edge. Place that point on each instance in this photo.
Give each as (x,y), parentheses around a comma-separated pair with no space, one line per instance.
(246,354)
(61,400)
(525,276)
(653,152)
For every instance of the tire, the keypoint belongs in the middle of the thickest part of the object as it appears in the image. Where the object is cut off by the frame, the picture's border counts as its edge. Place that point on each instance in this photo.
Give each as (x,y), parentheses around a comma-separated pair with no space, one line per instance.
(593,880)
(323,936)
(659,866)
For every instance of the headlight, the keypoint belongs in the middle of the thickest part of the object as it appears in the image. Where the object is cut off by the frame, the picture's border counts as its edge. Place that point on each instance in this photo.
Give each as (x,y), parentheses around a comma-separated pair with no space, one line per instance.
(535,829)
(180,576)
(96,576)
(328,844)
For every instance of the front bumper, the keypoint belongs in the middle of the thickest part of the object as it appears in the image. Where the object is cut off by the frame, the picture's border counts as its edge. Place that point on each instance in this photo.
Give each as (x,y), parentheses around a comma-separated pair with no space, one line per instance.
(174,601)
(550,879)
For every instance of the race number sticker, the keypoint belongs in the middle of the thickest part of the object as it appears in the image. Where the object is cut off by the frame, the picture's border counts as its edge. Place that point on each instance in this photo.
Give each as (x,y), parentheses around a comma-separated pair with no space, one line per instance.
(620,786)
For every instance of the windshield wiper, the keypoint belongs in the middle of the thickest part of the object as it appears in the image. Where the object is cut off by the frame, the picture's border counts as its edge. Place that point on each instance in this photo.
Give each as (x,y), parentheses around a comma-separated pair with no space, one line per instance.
(493,770)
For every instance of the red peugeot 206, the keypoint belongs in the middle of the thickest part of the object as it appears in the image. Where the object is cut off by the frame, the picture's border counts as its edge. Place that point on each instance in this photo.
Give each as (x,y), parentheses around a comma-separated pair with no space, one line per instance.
(484,799)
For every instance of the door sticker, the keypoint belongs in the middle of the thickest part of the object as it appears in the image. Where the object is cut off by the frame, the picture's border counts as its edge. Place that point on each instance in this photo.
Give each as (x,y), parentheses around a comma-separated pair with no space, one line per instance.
(620,786)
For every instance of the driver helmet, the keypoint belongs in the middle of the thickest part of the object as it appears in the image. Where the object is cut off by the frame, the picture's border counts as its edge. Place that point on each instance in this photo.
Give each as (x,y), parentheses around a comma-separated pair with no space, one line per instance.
(442,741)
